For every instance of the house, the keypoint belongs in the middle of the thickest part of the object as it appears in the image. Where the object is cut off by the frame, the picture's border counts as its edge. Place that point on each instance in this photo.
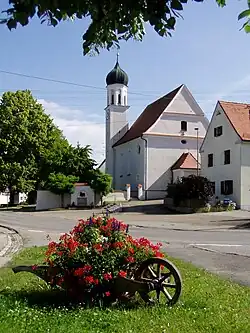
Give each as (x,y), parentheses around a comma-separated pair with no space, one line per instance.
(83,196)
(225,152)
(185,166)
(143,154)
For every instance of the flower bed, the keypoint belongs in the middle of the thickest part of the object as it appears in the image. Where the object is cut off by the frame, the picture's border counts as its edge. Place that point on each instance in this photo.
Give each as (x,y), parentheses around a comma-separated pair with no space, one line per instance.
(93,254)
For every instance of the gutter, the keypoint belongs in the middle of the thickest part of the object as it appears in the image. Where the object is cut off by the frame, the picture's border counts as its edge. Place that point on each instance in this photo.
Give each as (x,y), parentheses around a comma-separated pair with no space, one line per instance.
(145,167)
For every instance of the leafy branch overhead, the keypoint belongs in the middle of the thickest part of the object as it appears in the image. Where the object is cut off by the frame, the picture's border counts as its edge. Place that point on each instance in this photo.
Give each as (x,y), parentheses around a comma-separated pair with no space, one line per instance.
(111,20)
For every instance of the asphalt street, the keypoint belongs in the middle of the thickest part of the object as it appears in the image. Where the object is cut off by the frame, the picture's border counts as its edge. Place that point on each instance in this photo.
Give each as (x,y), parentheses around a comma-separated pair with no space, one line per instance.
(218,242)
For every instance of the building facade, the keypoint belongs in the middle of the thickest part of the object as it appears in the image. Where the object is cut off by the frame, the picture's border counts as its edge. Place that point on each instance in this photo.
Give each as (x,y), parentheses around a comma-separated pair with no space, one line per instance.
(145,152)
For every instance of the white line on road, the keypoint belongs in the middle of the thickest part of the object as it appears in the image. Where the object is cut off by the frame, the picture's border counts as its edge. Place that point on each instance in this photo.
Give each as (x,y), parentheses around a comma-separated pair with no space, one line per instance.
(31,230)
(209,244)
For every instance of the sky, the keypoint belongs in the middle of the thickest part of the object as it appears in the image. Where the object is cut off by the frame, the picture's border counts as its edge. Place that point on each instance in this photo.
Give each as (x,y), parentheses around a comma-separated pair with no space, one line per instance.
(207,52)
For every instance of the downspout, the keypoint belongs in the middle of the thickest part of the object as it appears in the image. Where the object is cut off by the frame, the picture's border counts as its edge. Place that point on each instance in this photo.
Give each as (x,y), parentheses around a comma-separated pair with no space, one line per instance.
(145,167)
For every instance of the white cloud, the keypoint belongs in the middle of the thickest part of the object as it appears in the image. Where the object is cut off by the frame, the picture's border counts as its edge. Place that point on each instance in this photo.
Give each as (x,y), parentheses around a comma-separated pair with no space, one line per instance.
(78,126)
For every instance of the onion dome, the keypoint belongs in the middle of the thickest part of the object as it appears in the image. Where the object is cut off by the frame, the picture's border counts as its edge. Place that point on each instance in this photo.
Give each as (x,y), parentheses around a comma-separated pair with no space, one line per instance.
(117,75)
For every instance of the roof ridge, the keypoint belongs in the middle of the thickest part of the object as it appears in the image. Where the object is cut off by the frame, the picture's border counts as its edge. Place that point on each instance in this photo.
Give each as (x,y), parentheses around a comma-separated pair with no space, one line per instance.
(241,103)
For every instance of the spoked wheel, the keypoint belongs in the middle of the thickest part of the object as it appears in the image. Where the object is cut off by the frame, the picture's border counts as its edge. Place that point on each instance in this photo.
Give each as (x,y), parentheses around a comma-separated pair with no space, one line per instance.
(165,278)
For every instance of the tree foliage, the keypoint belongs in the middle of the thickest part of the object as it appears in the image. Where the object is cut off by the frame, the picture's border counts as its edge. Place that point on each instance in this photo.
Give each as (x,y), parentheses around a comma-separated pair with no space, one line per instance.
(60,184)
(111,20)
(191,187)
(26,135)
(101,183)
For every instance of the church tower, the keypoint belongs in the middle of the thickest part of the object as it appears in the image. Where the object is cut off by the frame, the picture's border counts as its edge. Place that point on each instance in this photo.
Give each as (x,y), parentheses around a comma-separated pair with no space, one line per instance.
(116,117)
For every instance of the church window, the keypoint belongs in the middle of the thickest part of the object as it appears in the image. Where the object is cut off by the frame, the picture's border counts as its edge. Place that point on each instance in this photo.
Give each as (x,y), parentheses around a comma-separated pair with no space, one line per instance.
(112,99)
(139,149)
(119,99)
(124,100)
(183,142)
(184,126)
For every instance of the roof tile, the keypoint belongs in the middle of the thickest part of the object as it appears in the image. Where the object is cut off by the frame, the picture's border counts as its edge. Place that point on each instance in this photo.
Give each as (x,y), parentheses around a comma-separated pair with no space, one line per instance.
(185,161)
(239,116)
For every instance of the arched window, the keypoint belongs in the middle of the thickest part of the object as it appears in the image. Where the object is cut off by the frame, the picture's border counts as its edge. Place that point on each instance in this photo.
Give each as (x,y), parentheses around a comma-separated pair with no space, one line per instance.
(184,126)
(124,100)
(119,99)
(112,99)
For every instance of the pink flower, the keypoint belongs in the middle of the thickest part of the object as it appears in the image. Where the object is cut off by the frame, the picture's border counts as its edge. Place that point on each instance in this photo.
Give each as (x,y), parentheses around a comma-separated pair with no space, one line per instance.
(34,267)
(107,293)
(122,274)
(107,276)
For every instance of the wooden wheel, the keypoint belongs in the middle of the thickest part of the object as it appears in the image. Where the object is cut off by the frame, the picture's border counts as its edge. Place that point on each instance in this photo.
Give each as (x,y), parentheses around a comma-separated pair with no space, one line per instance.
(166,279)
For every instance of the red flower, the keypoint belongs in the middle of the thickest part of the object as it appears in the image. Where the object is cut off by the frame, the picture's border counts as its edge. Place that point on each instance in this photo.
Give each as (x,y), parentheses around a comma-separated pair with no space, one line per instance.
(130,259)
(89,279)
(118,245)
(122,274)
(98,247)
(107,276)
(34,267)
(131,250)
(107,293)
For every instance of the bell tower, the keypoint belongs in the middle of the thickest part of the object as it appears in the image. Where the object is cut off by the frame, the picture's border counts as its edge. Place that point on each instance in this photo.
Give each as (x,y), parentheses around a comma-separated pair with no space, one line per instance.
(116,115)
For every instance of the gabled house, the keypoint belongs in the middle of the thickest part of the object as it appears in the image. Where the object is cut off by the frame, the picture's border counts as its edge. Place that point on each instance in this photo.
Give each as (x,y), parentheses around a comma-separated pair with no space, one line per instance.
(225,152)
(144,153)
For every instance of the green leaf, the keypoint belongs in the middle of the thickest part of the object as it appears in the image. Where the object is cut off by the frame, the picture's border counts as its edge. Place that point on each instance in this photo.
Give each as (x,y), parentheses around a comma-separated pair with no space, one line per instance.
(176,4)
(247,28)
(244,14)
(11,24)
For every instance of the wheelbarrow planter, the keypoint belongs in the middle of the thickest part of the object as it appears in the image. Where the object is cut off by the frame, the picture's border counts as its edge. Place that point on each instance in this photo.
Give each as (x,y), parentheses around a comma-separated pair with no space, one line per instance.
(156,280)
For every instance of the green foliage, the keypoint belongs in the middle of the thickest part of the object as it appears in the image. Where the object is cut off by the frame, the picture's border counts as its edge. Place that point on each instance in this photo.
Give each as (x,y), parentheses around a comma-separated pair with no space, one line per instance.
(58,183)
(101,183)
(26,135)
(189,188)
(208,304)
(111,20)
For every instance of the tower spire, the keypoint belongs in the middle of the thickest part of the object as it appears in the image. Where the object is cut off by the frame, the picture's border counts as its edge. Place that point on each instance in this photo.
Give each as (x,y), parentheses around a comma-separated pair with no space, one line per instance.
(117,57)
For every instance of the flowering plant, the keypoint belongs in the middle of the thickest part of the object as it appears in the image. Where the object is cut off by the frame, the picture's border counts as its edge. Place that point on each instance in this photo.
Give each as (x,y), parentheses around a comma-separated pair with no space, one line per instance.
(93,254)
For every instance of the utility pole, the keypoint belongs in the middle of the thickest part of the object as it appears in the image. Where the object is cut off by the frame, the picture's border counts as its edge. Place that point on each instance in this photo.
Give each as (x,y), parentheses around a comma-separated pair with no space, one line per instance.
(197,148)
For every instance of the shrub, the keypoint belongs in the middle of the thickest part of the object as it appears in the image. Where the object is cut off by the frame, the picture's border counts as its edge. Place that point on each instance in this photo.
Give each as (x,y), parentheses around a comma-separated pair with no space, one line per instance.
(93,254)
(192,187)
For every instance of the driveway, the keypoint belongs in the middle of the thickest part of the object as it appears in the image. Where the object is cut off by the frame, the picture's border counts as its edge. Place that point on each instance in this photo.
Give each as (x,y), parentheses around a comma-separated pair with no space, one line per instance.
(218,242)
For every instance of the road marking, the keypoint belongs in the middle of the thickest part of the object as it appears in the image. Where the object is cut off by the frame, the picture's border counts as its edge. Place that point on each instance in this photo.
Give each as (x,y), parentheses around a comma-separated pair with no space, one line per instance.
(31,230)
(209,244)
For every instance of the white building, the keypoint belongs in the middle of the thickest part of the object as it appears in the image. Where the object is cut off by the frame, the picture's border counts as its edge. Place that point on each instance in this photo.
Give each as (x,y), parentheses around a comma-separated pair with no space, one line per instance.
(225,152)
(145,153)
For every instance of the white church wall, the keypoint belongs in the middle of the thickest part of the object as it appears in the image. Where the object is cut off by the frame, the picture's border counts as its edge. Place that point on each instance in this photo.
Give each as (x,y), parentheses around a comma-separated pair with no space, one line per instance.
(171,124)
(163,152)
(129,165)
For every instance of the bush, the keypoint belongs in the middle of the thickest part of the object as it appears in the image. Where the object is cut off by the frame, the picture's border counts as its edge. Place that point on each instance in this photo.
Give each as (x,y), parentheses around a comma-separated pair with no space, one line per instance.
(93,254)
(191,188)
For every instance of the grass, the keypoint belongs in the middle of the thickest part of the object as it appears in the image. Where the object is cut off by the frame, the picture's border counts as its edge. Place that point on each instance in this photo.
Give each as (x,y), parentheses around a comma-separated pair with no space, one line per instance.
(208,304)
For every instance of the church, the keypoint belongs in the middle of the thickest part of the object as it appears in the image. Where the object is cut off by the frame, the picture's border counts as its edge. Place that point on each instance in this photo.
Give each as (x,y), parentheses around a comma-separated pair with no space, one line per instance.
(161,146)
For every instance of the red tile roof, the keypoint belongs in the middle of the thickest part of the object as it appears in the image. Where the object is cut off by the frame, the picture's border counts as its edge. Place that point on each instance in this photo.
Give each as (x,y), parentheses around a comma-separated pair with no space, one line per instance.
(185,161)
(148,117)
(239,116)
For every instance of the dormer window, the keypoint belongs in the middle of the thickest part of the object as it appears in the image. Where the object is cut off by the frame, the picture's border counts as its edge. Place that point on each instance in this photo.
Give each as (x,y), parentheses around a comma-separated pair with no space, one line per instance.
(184,126)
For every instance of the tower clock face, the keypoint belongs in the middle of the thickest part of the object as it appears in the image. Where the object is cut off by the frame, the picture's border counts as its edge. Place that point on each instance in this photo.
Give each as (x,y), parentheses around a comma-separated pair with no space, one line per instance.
(107,115)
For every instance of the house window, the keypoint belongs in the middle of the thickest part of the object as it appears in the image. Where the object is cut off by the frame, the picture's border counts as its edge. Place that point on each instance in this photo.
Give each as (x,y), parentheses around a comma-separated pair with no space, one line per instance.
(184,126)
(119,99)
(210,161)
(226,187)
(218,131)
(82,194)
(227,157)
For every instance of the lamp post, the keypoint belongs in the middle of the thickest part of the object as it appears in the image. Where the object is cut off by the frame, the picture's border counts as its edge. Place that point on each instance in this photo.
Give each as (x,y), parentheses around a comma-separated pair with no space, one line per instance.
(197,148)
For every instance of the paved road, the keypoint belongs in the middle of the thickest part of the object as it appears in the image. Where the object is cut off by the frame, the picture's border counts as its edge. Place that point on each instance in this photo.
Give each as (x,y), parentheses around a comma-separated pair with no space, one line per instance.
(219,242)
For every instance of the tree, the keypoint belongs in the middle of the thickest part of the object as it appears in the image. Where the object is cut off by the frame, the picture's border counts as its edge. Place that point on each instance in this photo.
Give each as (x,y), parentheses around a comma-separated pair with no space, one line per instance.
(111,20)
(101,183)
(26,136)
(191,187)
(60,184)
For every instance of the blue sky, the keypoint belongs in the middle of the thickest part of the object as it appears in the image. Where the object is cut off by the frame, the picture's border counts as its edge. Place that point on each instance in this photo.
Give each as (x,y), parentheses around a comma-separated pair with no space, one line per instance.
(207,52)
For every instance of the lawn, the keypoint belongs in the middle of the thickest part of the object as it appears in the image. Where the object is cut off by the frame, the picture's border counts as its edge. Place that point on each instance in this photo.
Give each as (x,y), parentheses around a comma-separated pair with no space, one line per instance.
(208,304)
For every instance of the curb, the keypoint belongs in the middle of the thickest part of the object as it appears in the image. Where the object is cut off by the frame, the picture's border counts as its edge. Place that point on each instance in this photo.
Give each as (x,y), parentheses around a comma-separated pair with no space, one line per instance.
(14,243)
